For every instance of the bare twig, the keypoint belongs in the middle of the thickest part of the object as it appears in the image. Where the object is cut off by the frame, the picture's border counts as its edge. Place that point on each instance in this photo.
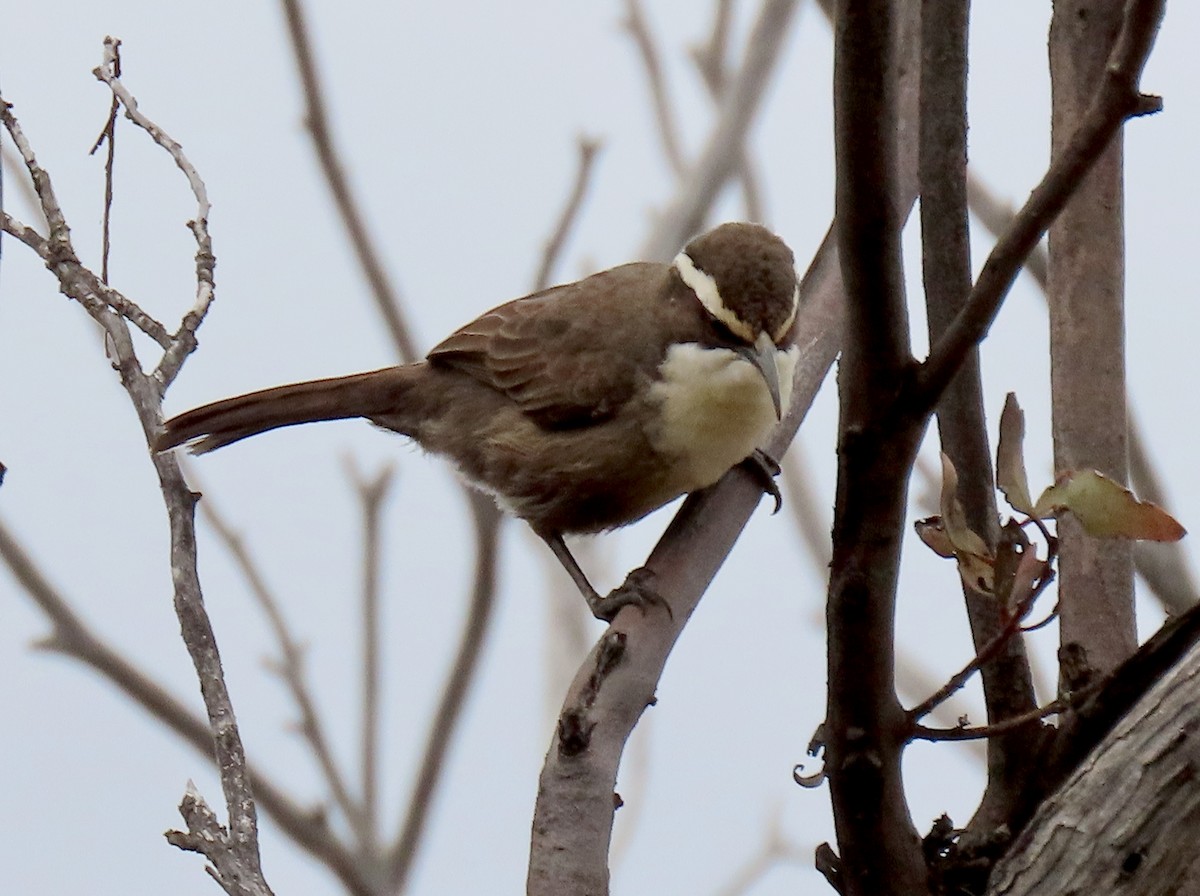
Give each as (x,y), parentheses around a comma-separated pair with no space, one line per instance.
(710,60)
(1116,100)
(1163,566)
(387,300)
(985,654)
(372,493)
(710,57)
(71,637)
(109,136)
(719,160)
(289,666)
(400,859)
(483,512)
(205,835)
(1007,725)
(639,29)
(588,148)
(183,341)
(145,395)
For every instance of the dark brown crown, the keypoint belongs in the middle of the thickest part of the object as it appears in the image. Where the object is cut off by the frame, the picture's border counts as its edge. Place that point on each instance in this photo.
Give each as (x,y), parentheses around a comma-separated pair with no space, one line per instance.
(754,271)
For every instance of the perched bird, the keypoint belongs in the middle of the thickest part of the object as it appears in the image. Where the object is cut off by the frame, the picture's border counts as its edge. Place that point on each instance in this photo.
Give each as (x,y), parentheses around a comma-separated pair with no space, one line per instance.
(585,406)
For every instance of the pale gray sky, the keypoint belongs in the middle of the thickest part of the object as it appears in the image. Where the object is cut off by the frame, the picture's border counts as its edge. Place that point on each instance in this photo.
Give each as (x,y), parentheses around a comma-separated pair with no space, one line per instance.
(458,124)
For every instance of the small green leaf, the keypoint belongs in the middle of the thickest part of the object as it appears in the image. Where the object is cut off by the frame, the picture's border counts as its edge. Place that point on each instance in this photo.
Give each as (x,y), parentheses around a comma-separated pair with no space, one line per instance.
(1106,509)
(1010,457)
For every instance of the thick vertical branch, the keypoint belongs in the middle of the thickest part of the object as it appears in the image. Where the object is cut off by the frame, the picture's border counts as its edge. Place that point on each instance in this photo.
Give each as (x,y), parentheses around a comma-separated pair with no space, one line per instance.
(1087,331)
(946,261)
(880,849)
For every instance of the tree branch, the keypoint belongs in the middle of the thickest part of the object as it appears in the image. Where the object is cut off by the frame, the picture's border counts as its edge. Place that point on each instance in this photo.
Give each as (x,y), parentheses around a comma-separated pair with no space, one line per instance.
(289,666)
(877,446)
(588,148)
(716,164)
(387,299)
(1116,100)
(372,493)
(479,615)
(946,263)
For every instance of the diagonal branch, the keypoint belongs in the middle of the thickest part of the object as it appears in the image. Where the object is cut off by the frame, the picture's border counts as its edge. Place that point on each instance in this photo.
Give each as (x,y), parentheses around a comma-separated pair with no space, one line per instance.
(387,300)
(73,638)
(236,857)
(290,665)
(1117,99)
(588,149)
(479,613)
(718,162)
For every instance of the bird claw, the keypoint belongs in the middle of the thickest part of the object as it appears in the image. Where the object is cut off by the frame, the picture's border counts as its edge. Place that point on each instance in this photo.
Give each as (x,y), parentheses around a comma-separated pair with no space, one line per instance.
(635,591)
(764,469)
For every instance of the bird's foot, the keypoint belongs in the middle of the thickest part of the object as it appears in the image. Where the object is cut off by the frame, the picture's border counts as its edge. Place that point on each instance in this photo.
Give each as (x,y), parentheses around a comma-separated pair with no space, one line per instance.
(764,469)
(635,591)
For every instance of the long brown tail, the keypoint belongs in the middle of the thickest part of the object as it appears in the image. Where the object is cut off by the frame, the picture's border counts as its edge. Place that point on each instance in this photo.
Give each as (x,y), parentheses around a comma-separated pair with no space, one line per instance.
(224,422)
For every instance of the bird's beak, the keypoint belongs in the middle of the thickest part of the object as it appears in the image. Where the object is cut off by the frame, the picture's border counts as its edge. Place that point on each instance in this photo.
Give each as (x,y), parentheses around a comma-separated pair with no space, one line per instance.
(762,356)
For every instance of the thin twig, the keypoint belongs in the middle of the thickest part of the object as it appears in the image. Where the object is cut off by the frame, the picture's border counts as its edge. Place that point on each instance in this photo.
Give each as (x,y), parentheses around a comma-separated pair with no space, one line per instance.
(710,57)
(183,342)
(1010,724)
(668,131)
(109,136)
(588,148)
(719,160)
(710,61)
(372,493)
(486,518)
(987,653)
(387,300)
(71,637)
(290,665)
(1117,99)
(56,249)
(237,860)
(400,859)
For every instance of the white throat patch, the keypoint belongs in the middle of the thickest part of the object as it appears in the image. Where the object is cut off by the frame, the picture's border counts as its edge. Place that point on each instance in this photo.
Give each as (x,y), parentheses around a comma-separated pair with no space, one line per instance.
(714,410)
(705,288)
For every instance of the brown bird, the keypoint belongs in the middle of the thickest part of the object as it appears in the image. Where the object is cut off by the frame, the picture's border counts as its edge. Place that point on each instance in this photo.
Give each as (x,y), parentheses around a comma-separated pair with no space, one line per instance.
(585,406)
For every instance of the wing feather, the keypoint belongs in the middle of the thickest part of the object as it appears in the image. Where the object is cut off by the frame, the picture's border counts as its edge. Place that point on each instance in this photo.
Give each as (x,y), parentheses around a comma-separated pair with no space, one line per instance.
(546,353)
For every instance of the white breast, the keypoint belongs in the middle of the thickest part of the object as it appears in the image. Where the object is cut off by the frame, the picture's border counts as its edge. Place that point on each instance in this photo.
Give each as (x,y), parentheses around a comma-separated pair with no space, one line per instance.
(715,410)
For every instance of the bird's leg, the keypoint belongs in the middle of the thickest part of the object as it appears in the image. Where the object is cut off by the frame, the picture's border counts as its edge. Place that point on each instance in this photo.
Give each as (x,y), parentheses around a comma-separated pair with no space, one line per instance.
(635,591)
(764,469)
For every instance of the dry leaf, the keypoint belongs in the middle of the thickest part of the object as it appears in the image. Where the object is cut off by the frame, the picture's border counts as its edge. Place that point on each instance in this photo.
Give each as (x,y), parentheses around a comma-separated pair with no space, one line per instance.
(1010,457)
(1106,509)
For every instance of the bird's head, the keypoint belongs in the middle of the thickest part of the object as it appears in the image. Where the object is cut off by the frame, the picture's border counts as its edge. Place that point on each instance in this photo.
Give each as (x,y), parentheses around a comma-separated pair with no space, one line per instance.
(744,278)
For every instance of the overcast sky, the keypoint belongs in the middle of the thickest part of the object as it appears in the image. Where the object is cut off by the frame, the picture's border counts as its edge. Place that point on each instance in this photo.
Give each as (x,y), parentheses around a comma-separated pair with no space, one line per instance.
(458,125)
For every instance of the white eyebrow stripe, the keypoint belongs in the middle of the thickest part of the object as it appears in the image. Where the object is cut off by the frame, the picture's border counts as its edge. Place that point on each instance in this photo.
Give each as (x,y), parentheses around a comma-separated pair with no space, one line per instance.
(791,319)
(705,288)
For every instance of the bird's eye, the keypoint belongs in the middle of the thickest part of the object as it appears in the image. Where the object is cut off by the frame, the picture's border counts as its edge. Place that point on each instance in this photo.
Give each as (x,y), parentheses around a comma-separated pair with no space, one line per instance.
(724,334)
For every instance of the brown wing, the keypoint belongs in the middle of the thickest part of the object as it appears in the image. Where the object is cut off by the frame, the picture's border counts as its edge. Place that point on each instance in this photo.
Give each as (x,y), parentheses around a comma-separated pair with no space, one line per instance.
(568,356)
